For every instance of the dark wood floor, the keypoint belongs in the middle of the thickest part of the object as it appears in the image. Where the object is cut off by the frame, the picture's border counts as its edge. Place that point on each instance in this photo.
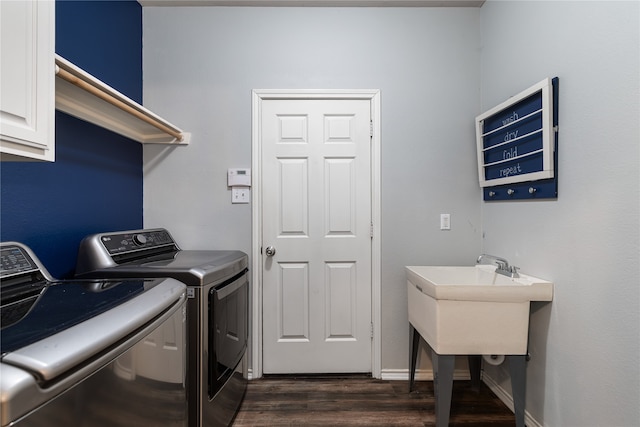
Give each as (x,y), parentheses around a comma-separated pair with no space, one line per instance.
(361,401)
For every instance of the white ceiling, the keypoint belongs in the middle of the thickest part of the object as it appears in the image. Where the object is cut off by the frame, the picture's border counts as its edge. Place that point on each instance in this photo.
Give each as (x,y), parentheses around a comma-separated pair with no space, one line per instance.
(317,3)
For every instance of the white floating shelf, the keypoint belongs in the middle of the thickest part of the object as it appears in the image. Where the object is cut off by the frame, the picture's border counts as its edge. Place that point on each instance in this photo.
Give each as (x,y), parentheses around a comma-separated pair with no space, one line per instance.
(83,96)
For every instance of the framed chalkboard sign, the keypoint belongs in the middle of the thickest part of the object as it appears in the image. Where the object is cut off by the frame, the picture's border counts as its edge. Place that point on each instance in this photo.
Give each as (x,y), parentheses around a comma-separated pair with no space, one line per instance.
(517,145)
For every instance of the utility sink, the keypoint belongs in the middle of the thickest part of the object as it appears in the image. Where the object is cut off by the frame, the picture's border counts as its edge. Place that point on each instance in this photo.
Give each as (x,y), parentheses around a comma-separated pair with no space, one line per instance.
(473,310)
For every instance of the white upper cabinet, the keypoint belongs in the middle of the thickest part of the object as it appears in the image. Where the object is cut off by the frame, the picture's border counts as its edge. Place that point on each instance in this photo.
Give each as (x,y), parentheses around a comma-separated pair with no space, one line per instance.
(27,75)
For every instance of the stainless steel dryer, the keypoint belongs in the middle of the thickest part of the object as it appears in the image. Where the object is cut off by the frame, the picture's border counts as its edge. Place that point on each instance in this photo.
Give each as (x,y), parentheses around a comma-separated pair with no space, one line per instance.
(217,309)
(89,353)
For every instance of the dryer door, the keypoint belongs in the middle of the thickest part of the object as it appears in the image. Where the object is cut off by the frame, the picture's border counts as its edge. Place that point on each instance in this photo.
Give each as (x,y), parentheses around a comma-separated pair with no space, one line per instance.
(228,317)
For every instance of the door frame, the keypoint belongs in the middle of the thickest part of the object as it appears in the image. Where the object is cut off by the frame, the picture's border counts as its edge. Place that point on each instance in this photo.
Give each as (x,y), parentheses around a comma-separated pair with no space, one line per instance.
(258,96)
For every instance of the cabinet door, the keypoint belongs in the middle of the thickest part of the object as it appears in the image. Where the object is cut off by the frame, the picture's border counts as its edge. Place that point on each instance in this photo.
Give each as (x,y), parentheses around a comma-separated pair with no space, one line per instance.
(27,76)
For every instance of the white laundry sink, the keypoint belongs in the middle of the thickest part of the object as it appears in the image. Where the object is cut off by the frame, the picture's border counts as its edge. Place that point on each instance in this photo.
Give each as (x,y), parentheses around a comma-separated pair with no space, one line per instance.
(473,310)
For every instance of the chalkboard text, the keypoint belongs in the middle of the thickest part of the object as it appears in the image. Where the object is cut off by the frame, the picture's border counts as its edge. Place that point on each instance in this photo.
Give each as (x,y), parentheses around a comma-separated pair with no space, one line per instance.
(508,154)
(511,135)
(512,118)
(512,170)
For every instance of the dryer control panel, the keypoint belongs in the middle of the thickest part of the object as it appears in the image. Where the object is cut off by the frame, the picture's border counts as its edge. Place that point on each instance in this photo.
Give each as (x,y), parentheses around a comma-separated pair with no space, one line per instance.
(130,241)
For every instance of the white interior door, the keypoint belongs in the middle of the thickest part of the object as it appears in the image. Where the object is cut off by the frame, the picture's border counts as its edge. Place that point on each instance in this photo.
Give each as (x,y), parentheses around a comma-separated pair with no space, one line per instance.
(316,225)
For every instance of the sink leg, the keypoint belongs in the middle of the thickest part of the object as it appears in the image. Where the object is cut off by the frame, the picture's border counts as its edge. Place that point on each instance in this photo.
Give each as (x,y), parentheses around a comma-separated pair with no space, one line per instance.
(414,342)
(443,386)
(518,371)
(475,362)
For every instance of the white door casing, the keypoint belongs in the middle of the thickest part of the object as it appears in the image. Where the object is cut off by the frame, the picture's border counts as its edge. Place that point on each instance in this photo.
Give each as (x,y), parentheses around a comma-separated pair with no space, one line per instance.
(316,200)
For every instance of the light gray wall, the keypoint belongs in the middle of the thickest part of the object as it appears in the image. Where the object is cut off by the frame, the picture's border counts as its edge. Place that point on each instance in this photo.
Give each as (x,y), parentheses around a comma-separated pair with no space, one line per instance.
(200,65)
(584,369)
(436,69)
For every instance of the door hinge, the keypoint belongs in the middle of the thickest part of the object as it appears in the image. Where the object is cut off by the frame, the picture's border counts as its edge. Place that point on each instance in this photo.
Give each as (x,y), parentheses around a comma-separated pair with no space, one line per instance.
(371,230)
(371,128)
(371,330)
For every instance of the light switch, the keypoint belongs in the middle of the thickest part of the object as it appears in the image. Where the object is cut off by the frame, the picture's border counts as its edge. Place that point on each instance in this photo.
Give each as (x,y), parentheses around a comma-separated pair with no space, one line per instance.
(445,221)
(240,195)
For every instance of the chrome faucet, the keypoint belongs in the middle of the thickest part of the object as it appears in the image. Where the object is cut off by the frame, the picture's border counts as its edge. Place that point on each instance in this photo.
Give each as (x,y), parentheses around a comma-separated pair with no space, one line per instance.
(503,265)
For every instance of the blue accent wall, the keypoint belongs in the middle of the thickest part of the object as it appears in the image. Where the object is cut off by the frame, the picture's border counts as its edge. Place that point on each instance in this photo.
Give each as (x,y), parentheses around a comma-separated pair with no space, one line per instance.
(95,184)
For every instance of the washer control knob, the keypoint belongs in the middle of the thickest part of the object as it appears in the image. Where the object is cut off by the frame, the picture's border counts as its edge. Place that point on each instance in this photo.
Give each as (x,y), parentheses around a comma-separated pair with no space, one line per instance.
(139,239)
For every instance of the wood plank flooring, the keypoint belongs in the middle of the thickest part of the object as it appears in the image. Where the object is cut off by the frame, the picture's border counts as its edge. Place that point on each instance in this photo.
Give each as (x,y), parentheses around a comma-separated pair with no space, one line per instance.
(363,401)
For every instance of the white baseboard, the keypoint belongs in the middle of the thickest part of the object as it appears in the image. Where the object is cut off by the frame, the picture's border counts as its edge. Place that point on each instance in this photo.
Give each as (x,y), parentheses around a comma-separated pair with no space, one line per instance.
(507,399)
(403,374)
(421,374)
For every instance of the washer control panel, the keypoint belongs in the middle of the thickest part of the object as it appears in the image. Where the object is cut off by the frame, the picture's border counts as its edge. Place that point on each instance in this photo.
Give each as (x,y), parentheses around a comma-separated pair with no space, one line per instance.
(119,243)
(15,260)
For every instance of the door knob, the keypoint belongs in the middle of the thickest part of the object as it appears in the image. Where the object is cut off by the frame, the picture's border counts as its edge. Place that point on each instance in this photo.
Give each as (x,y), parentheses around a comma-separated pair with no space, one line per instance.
(270,251)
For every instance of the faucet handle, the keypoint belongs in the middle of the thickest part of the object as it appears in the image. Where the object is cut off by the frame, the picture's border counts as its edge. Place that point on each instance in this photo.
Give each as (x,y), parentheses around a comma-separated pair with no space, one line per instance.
(514,271)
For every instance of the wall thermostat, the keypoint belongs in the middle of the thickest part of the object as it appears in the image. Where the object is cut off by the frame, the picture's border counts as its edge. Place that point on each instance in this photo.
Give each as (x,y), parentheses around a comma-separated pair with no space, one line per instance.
(238,177)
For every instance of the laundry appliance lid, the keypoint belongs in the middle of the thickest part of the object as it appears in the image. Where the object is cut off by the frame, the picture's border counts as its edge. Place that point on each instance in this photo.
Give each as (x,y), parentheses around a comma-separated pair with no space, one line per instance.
(74,321)
(192,267)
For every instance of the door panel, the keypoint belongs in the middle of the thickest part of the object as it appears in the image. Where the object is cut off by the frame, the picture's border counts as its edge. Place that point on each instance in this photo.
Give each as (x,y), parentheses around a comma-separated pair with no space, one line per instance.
(341,288)
(316,213)
(294,197)
(293,302)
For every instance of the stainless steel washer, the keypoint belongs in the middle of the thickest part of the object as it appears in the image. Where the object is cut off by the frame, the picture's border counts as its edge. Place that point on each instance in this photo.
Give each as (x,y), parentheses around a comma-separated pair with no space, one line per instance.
(217,309)
(89,352)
